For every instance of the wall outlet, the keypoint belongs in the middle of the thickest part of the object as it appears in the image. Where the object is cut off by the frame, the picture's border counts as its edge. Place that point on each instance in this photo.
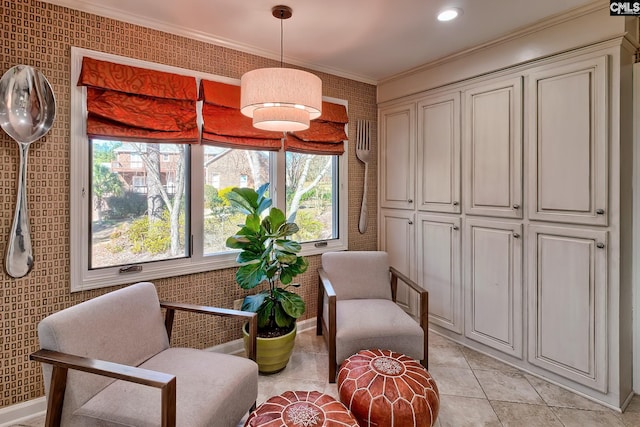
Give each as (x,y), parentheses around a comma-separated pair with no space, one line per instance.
(237,304)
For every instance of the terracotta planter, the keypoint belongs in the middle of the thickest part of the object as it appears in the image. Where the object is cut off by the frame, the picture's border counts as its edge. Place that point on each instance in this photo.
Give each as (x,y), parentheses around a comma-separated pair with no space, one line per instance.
(272,353)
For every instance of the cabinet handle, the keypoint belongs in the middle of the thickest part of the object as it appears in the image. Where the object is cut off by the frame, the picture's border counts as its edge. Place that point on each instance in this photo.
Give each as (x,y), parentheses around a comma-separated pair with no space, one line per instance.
(516,206)
(600,245)
(455,227)
(456,203)
(516,235)
(410,222)
(410,200)
(600,211)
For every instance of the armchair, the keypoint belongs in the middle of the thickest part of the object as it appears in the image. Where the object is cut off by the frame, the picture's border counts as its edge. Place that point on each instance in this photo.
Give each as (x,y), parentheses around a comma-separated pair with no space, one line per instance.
(107,362)
(357,309)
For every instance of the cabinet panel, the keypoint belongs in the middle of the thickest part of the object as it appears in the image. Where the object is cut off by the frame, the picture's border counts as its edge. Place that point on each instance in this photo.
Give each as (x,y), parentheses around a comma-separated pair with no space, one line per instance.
(438,268)
(397,156)
(493,284)
(567,293)
(397,238)
(493,149)
(568,143)
(439,153)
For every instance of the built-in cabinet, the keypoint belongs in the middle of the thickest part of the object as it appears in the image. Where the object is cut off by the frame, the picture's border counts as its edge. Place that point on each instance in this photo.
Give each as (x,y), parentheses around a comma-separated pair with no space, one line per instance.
(512,220)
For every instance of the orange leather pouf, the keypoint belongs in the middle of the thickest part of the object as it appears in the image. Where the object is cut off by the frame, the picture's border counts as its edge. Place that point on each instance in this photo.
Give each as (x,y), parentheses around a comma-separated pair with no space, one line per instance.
(301,409)
(387,389)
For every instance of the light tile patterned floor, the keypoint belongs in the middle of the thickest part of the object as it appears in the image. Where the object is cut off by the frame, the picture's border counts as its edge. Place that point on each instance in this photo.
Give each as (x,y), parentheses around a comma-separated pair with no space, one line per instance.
(475,390)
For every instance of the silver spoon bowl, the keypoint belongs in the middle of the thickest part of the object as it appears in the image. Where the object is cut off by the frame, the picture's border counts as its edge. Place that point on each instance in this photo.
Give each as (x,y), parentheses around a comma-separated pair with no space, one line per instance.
(27,111)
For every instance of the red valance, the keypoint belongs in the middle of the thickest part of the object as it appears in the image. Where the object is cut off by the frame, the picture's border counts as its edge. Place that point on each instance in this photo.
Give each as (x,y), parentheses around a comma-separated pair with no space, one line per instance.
(136,104)
(226,126)
(326,134)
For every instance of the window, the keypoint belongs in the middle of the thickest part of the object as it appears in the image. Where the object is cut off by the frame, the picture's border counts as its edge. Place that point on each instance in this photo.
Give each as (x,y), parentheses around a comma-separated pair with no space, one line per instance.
(144,210)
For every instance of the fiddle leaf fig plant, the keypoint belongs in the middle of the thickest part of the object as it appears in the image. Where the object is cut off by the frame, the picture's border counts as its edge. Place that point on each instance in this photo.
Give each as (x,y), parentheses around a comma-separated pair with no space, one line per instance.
(267,255)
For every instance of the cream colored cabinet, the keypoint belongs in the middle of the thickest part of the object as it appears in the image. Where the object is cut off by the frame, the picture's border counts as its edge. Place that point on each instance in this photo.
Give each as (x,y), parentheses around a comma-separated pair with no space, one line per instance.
(568,140)
(397,237)
(493,284)
(438,268)
(492,139)
(438,171)
(397,156)
(567,291)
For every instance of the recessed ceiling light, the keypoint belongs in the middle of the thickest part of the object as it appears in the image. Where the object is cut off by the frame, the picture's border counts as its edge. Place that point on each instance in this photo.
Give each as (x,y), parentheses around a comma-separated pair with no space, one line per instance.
(449,14)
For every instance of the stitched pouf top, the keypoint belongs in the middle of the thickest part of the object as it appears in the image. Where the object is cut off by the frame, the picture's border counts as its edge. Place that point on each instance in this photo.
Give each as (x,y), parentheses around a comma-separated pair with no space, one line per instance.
(387,389)
(301,409)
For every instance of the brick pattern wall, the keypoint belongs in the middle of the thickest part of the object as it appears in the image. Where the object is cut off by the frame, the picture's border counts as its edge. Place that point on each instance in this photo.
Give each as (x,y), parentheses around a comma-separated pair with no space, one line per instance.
(41,35)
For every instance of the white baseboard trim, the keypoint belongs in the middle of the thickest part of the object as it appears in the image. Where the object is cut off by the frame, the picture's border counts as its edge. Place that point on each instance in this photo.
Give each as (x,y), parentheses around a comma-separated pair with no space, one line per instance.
(15,414)
(237,346)
(20,412)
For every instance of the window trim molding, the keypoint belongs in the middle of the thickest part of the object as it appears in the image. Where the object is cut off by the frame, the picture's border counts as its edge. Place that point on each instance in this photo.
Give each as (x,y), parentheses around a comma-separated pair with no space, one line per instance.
(84,279)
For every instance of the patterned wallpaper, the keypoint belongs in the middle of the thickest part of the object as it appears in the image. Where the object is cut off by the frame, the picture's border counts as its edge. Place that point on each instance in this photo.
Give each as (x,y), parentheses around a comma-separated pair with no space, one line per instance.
(41,35)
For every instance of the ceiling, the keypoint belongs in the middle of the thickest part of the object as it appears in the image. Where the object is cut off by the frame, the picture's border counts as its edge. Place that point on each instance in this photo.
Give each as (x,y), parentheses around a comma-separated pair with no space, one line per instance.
(366,40)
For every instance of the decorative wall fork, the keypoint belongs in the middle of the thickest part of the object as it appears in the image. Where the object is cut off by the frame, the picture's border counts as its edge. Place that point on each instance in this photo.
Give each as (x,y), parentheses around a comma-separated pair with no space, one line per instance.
(363,153)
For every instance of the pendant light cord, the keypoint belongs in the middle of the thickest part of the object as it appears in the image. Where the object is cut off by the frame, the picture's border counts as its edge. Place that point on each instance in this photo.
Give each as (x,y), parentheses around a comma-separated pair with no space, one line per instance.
(281,39)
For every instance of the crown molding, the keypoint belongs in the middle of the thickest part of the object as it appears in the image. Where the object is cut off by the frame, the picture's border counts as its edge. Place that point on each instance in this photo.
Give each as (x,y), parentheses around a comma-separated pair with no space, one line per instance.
(522,32)
(96,8)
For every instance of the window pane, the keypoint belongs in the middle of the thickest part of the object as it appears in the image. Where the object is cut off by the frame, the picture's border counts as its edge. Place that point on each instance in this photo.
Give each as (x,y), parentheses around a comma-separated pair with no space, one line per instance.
(138,197)
(311,195)
(225,168)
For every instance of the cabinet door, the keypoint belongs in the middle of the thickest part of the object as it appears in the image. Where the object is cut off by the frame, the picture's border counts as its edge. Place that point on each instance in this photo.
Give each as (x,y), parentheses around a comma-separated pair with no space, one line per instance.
(439,153)
(397,156)
(568,142)
(438,268)
(397,238)
(567,291)
(493,284)
(493,149)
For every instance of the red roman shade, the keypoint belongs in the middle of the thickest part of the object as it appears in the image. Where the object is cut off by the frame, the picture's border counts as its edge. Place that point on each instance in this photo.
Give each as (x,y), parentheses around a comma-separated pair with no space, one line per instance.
(136,104)
(325,135)
(226,126)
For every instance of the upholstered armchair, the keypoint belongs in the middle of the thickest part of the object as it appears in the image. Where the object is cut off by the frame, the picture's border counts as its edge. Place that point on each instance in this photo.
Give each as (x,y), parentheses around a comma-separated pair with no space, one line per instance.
(357,309)
(107,362)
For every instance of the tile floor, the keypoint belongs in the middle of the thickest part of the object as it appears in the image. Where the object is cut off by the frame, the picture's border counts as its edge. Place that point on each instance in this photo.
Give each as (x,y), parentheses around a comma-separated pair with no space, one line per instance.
(475,390)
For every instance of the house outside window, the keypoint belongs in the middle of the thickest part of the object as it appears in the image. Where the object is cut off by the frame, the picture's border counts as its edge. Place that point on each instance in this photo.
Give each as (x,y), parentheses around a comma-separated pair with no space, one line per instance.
(168,213)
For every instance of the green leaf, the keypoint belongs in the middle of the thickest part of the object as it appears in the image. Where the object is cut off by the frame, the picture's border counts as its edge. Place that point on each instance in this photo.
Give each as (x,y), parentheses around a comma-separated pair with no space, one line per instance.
(286,257)
(286,277)
(245,199)
(288,245)
(261,191)
(250,275)
(263,204)
(292,303)
(252,223)
(253,302)
(264,313)
(287,229)
(282,319)
(237,242)
(246,257)
(277,218)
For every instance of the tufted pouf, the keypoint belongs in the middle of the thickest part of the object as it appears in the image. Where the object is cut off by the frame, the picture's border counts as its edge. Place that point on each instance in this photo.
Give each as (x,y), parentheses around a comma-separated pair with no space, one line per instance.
(387,389)
(301,409)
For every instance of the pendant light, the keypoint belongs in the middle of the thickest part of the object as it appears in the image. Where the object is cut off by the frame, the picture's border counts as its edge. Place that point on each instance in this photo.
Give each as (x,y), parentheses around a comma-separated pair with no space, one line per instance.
(281,99)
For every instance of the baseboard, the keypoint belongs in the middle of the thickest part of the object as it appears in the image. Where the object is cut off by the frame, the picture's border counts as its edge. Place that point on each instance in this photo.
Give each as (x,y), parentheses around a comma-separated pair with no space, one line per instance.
(237,346)
(15,414)
(20,412)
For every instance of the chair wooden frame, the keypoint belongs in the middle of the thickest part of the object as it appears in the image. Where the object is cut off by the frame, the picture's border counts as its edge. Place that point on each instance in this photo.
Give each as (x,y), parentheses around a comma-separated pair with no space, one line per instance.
(62,362)
(327,327)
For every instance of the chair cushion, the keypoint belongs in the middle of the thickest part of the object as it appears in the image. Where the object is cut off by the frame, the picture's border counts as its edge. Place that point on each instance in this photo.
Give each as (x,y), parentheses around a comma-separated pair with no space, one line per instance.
(376,323)
(212,389)
(301,409)
(358,274)
(385,389)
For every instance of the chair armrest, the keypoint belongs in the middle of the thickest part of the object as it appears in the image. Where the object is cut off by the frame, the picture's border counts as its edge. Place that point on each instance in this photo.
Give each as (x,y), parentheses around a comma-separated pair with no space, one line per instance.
(251,318)
(413,285)
(326,284)
(62,362)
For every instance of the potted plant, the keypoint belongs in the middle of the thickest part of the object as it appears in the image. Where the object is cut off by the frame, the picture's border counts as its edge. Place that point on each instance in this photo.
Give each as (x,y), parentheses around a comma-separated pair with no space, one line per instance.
(268,256)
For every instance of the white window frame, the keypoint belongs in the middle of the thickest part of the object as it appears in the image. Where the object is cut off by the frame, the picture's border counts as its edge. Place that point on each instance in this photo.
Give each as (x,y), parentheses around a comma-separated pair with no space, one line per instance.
(82,278)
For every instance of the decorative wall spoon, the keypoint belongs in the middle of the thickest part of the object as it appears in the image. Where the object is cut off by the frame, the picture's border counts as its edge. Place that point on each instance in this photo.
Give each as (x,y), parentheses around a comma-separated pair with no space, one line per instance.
(27,111)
